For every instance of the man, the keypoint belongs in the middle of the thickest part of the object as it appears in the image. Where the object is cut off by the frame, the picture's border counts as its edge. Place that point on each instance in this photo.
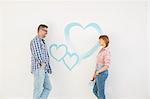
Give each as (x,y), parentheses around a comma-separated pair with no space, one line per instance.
(40,66)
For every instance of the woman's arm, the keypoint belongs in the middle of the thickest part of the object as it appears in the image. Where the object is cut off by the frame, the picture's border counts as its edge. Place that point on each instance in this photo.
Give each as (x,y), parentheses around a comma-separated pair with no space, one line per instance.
(94,75)
(102,69)
(107,61)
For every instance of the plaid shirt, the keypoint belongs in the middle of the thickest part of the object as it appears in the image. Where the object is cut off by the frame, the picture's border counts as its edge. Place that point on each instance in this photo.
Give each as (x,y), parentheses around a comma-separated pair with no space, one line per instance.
(40,55)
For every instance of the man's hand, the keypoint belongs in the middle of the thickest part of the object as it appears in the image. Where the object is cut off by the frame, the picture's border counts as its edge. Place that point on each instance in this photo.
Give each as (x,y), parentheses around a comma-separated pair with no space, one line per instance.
(43,66)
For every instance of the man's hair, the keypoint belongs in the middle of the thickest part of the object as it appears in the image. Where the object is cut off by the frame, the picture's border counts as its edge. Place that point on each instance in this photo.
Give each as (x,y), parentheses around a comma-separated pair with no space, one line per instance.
(105,38)
(42,26)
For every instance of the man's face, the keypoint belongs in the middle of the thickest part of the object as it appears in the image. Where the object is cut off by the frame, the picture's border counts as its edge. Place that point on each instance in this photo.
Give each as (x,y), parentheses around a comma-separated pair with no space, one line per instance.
(43,32)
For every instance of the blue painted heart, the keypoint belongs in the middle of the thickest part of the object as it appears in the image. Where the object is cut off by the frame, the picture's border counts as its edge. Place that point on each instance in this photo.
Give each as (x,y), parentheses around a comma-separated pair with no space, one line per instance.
(71,60)
(58,52)
(68,40)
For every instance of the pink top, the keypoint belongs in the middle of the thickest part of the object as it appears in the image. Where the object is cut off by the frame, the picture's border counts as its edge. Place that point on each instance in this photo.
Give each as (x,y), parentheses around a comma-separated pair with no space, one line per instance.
(103,57)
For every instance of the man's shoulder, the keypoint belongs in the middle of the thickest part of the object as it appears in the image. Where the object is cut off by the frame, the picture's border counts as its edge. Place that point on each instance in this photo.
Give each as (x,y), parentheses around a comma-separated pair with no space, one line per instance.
(34,39)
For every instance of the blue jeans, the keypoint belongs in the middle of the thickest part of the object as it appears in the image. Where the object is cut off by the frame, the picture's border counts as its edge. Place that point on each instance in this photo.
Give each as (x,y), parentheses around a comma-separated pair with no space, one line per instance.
(99,87)
(42,85)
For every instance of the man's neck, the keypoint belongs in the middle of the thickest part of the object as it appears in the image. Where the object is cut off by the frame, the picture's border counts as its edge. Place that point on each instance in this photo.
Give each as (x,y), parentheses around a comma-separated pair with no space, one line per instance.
(40,36)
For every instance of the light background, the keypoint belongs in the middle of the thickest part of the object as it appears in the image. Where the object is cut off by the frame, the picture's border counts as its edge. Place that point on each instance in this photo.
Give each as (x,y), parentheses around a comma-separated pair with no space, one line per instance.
(125,22)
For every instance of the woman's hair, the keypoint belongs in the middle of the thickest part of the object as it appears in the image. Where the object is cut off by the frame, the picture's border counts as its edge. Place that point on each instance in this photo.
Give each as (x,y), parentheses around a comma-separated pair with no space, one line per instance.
(105,38)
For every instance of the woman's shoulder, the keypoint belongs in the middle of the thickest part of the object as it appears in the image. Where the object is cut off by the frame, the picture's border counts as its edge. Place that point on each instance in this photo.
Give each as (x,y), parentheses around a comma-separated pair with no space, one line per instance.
(106,50)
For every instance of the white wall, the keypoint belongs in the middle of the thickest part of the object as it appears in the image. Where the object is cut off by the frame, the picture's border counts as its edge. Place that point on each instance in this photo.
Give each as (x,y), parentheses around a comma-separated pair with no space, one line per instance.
(148,35)
(125,23)
(0,54)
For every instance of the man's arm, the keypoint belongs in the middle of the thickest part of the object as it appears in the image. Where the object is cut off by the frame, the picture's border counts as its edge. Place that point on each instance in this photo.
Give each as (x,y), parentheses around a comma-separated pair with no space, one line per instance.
(36,51)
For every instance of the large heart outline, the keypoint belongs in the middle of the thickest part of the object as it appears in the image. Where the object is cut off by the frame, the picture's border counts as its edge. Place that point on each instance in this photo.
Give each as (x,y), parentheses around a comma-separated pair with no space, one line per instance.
(67,38)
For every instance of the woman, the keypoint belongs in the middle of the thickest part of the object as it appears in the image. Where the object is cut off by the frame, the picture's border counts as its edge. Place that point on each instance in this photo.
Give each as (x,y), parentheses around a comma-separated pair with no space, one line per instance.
(102,65)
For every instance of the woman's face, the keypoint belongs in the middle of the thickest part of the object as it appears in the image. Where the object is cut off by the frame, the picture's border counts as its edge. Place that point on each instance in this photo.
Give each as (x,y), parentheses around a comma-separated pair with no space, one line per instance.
(102,42)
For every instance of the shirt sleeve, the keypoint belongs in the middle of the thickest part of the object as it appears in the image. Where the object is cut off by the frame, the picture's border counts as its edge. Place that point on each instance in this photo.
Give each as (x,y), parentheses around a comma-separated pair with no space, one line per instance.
(36,50)
(107,58)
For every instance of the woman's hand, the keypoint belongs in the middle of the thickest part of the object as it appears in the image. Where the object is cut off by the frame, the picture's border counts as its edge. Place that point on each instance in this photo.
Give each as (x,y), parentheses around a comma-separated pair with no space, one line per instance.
(97,73)
(94,77)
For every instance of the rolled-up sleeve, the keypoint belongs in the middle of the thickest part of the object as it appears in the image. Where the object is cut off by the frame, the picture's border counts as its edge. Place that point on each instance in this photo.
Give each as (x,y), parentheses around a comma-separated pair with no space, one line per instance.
(107,58)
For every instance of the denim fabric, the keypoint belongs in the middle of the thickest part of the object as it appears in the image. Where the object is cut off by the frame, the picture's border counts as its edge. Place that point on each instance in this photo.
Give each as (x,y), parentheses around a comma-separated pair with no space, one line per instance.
(42,85)
(99,87)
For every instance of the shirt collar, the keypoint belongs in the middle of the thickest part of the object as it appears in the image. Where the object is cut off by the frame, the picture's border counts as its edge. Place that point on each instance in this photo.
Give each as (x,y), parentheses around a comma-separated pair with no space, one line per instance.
(105,48)
(39,37)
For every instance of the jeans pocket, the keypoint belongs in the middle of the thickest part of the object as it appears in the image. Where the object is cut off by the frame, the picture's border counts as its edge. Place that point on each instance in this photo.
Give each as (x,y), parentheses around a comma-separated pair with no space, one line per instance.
(104,74)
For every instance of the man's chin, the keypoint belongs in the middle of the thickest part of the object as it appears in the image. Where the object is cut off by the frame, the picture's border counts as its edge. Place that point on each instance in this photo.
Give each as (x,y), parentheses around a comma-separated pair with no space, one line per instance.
(44,36)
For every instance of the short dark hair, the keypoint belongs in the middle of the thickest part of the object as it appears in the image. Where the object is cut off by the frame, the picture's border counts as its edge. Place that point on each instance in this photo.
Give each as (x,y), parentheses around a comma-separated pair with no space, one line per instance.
(42,26)
(105,38)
